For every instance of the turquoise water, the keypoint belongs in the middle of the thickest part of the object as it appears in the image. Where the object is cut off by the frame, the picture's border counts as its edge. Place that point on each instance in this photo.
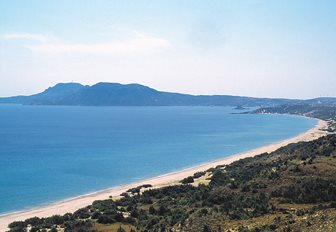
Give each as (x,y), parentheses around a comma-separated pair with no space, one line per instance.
(49,153)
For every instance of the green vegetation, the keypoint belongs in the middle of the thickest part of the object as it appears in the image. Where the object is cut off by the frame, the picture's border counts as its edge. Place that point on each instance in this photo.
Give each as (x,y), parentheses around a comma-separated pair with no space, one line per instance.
(291,189)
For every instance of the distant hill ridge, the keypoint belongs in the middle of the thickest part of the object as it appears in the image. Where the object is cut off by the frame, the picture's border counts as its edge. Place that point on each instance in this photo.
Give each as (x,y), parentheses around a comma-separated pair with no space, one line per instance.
(116,94)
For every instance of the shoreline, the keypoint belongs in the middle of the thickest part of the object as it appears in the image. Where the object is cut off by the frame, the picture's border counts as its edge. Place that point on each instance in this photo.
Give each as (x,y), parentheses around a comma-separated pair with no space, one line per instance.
(72,204)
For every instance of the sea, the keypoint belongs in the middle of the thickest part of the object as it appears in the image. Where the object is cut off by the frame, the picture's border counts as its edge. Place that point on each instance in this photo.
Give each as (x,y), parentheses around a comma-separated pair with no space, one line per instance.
(51,153)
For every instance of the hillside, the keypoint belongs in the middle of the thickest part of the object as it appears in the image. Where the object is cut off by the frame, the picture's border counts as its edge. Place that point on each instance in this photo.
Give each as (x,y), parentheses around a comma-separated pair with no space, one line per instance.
(114,94)
(50,96)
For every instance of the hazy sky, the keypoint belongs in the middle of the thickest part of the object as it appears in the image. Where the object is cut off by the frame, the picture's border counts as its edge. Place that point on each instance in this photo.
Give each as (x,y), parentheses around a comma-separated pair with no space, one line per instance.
(255,48)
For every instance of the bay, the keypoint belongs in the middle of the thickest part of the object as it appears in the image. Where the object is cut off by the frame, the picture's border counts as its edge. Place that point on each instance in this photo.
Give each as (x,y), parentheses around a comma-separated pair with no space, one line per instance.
(49,153)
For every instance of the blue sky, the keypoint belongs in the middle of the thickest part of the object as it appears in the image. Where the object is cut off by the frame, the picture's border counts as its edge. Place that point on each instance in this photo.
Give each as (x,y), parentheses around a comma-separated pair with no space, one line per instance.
(253,48)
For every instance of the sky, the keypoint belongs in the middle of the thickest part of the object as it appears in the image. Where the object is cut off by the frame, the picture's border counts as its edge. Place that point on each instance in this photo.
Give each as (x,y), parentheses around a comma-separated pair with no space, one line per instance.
(255,48)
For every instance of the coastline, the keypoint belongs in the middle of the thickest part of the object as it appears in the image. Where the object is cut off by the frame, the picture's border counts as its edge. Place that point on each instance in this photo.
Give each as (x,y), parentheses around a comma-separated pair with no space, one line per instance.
(71,205)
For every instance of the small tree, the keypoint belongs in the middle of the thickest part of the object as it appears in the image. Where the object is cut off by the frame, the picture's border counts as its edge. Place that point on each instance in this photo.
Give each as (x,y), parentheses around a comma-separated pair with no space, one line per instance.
(152,210)
(187,180)
(206,228)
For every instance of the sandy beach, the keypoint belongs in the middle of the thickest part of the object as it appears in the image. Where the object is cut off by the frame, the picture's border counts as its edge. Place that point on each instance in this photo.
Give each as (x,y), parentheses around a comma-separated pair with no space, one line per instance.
(71,205)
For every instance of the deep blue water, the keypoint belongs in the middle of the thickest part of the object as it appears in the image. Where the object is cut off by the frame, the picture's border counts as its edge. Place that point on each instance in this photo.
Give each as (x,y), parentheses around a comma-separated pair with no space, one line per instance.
(49,153)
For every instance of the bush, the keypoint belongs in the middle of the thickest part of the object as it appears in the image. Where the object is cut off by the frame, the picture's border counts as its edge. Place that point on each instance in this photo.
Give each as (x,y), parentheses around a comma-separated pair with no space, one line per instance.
(105,219)
(187,180)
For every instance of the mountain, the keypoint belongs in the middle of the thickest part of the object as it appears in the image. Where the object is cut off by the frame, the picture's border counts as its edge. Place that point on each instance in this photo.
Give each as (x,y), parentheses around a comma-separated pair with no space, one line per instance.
(115,94)
(50,96)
